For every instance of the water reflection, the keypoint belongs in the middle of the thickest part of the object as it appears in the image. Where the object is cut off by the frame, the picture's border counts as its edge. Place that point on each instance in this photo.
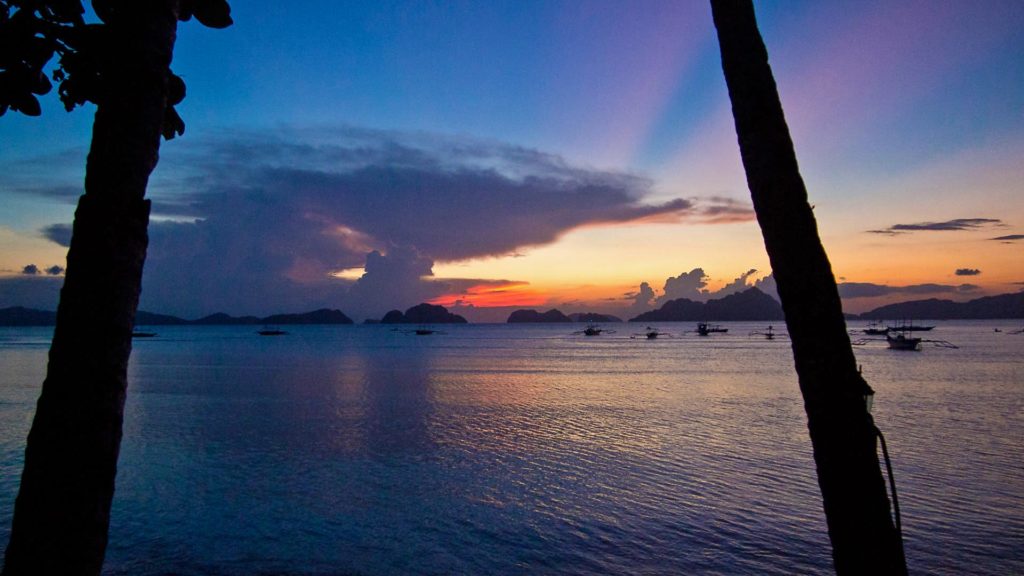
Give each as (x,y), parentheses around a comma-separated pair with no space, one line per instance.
(381,453)
(506,450)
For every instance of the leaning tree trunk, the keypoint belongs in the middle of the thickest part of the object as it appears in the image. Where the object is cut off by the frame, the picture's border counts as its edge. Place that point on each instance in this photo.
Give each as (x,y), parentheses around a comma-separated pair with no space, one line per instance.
(864,540)
(62,512)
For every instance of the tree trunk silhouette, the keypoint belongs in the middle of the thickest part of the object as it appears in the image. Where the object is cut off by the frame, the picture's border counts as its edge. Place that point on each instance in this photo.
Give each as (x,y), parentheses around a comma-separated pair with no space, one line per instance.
(62,512)
(864,539)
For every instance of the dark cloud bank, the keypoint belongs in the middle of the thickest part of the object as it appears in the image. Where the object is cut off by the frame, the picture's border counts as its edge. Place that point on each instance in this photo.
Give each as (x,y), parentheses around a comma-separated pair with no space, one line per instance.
(253,223)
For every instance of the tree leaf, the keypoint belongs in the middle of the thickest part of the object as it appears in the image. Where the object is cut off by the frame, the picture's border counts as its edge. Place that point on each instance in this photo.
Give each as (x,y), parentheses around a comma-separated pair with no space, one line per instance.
(42,85)
(26,104)
(213,13)
(175,89)
(173,124)
(66,11)
(103,9)
(185,10)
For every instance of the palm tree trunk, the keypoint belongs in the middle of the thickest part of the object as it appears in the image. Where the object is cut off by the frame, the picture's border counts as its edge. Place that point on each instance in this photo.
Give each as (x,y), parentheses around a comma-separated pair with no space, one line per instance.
(864,540)
(62,512)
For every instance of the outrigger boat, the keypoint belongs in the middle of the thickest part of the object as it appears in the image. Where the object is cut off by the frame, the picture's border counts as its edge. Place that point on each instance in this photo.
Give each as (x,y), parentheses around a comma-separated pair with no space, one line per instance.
(705,329)
(593,330)
(875,329)
(903,342)
(901,339)
(651,333)
(418,331)
(768,334)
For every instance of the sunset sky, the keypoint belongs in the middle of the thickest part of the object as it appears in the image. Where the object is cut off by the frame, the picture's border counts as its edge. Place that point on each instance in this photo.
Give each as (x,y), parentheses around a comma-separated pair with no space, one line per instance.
(372,155)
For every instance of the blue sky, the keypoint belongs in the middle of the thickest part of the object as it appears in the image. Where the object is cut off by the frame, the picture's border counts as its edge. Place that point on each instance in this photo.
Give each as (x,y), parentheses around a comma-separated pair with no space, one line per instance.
(902,113)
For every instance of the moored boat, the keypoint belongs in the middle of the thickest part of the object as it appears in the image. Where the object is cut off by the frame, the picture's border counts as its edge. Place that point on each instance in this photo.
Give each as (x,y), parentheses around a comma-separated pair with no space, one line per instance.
(705,329)
(593,330)
(876,329)
(903,342)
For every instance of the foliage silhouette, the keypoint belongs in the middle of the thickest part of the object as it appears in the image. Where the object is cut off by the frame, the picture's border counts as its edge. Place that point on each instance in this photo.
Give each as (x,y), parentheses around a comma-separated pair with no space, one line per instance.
(122,65)
(864,539)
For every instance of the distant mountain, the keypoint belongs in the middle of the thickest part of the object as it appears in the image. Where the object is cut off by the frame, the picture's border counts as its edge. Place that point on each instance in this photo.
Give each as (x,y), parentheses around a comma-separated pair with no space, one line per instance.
(222,319)
(552,315)
(18,316)
(393,317)
(593,317)
(751,304)
(423,314)
(321,316)
(143,318)
(1002,306)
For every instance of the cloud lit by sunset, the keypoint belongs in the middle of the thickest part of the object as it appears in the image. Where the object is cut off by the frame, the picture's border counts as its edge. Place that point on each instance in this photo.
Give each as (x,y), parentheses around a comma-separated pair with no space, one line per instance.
(573,169)
(494,295)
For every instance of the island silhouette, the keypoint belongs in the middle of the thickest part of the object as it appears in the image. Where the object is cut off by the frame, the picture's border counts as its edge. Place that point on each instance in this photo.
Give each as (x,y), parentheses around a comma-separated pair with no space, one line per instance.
(750,305)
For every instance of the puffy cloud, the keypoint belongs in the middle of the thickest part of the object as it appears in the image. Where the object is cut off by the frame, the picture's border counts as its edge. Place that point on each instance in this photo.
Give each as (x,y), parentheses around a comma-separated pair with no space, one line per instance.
(397,280)
(644,296)
(967,272)
(642,300)
(691,285)
(768,286)
(737,285)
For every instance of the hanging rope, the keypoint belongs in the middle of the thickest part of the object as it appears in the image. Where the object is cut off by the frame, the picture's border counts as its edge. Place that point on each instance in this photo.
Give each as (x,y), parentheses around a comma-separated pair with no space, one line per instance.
(892,487)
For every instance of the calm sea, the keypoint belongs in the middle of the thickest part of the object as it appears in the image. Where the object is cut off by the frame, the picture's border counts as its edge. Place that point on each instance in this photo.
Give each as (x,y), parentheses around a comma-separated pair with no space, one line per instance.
(524,449)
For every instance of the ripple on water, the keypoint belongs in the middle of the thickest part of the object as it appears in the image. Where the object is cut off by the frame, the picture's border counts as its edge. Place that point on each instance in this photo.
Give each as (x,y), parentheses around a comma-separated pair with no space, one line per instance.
(521,449)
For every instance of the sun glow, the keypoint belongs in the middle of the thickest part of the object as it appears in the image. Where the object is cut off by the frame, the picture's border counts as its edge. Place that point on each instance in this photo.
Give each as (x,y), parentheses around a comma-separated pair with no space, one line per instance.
(494,295)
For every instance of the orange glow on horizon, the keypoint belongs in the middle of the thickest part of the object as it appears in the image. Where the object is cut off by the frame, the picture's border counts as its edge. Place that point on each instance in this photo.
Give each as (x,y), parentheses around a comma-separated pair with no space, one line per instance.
(493,295)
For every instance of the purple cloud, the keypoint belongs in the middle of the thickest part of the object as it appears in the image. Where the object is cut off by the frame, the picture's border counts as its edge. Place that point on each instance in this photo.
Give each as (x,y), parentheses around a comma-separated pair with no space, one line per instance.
(967,272)
(691,285)
(260,222)
(57,233)
(959,224)
(870,290)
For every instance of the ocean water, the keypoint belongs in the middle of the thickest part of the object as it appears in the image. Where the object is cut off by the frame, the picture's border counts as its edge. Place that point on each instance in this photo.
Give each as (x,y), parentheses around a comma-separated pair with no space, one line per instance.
(525,449)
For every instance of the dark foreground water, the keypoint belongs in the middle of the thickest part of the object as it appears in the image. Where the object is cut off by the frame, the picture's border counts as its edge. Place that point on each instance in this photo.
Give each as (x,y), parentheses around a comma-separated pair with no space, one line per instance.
(526,450)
